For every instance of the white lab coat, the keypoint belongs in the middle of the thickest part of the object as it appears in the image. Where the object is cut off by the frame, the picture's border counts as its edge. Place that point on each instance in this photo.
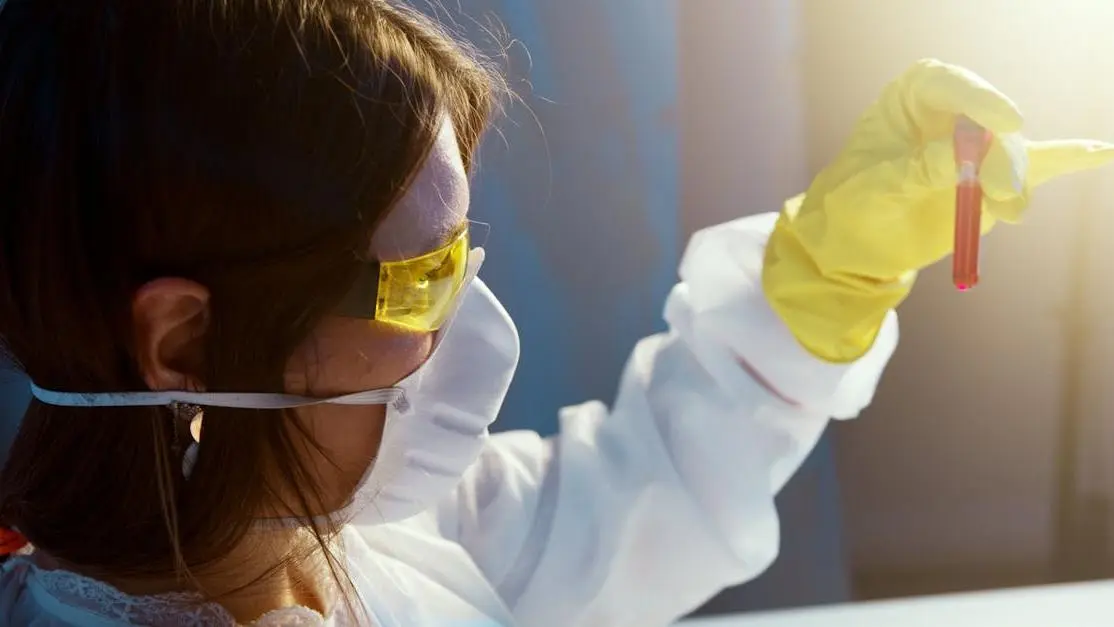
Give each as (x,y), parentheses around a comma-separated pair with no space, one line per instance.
(631,516)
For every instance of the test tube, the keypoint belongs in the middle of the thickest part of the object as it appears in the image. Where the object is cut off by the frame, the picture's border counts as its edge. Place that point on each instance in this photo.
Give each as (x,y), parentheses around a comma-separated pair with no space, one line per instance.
(971,144)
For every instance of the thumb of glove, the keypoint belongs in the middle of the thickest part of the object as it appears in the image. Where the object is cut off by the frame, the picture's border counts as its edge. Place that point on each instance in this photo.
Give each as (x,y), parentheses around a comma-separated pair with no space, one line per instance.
(1012,169)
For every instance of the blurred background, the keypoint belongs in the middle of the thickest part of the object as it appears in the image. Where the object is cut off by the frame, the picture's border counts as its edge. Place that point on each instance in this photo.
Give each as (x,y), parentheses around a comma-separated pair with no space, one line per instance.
(986,459)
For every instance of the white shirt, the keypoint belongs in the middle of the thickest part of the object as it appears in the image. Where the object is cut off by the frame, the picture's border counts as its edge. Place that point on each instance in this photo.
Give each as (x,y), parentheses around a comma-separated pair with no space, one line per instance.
(630,516)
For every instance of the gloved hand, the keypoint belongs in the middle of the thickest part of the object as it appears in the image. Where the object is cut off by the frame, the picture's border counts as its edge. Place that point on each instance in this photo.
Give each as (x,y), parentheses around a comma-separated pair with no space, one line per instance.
(846,252)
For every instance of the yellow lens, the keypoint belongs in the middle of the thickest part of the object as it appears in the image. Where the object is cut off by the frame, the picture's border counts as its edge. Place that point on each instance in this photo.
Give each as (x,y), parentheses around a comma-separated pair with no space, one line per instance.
(419,293)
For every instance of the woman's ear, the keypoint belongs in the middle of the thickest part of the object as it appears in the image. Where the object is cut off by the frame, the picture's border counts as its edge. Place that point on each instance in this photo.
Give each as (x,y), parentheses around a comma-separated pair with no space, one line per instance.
(170,318)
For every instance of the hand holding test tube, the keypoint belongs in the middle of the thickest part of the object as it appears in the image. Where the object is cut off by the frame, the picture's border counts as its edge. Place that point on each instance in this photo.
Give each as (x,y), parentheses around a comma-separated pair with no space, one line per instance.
(843,255)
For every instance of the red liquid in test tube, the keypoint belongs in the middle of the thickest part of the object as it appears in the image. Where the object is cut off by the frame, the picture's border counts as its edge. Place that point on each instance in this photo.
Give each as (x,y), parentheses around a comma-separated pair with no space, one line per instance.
(971,145)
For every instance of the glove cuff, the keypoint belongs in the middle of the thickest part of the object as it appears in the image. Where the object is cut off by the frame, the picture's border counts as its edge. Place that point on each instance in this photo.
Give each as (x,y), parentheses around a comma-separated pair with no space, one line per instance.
(835,317)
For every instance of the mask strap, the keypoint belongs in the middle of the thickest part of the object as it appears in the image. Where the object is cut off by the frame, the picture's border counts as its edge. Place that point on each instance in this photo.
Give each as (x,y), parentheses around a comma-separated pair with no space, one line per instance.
(250,400)
(217,399)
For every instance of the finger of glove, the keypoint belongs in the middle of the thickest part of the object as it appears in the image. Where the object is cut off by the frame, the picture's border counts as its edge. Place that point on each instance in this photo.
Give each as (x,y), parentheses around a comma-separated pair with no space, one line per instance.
(1012,167)
(1050,159)
(904,210)
(934,93)
(1002,176)
(1043,162)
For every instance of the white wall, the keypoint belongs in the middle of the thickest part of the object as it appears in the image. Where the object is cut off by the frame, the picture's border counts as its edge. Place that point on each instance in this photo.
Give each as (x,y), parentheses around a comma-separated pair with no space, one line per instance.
(742,117)
(1096,435)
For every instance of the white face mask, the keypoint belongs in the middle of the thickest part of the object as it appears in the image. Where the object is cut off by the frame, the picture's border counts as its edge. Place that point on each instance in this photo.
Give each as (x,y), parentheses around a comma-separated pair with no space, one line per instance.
(439,426)
(437,418)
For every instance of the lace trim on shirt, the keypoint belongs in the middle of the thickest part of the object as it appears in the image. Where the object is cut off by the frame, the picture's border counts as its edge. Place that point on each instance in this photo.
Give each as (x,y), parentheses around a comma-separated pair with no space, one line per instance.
(175,609)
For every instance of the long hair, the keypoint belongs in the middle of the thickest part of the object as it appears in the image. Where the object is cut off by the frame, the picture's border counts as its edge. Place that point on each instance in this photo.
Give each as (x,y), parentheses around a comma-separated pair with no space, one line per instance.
(252,146)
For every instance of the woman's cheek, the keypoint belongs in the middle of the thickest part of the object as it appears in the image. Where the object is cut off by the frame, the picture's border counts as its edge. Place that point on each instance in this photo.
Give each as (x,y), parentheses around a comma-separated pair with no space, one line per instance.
(348,355)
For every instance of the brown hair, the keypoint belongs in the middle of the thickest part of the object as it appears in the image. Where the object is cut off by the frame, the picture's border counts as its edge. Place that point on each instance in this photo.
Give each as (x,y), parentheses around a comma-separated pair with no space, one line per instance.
(249,145)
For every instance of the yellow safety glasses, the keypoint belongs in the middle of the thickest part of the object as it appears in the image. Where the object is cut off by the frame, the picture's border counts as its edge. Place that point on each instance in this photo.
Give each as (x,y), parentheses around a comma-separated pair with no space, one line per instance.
(417,293)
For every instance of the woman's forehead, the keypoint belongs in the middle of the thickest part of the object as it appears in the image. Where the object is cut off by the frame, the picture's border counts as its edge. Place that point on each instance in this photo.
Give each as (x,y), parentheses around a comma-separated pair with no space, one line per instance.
(433,207)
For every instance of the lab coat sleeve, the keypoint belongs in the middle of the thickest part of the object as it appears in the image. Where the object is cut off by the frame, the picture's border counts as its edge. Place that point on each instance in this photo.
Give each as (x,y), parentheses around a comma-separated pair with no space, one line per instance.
(638,514)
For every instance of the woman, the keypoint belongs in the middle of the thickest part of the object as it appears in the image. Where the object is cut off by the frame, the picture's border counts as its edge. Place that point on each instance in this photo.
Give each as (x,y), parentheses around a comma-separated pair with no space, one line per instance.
(238,270)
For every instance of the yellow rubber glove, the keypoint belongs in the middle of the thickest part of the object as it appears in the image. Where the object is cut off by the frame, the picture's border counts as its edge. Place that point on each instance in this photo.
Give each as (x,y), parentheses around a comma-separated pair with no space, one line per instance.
(846,252)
